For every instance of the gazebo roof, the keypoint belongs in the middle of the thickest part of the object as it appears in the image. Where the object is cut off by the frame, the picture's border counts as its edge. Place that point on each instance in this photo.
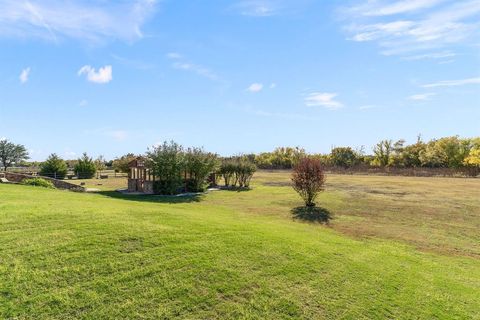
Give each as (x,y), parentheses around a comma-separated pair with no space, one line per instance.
(137,163)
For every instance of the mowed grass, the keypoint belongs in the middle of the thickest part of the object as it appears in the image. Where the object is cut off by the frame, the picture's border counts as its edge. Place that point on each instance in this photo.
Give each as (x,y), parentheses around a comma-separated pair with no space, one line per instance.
(402,248)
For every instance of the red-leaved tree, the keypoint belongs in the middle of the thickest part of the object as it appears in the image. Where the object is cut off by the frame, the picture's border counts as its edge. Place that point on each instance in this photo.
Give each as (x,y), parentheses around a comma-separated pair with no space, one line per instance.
(308,179)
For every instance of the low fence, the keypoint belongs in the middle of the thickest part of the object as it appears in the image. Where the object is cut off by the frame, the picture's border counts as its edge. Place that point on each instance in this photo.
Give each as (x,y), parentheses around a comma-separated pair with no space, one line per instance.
(59,184)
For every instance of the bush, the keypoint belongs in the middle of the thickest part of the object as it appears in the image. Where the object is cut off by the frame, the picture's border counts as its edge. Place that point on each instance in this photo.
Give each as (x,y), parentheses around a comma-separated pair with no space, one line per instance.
(244,173)
(237,171)
(167,161)
(85,167)
(199,165)
(308,180)
(38,182)
(54,167)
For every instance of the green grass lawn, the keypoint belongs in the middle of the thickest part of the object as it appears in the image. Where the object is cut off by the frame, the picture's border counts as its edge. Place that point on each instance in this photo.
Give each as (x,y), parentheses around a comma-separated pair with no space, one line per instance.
(395,248)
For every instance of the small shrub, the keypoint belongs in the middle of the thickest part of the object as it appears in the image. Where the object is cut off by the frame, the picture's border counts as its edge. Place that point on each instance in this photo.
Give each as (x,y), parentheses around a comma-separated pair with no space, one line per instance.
(308,180)
(38,182)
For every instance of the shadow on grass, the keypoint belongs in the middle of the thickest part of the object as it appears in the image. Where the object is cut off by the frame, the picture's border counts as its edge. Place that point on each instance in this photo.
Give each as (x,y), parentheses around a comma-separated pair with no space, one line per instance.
(152,198)
(312,214)
(235,189)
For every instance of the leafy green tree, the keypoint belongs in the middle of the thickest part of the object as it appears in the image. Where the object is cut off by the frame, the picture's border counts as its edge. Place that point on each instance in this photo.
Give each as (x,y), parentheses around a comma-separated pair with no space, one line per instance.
(280,158)
(167,161)
(382,152)
(199,165)
(11,153)
(121,164)
(100,165)
(85,167)
(343,157)
(448,152)
(54,167)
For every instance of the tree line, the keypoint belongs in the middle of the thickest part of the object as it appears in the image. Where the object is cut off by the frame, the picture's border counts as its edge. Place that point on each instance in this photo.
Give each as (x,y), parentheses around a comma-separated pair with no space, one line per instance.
(448,152)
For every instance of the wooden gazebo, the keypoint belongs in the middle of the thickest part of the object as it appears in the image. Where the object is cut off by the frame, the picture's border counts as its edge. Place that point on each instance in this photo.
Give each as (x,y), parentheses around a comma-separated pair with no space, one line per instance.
(140,178)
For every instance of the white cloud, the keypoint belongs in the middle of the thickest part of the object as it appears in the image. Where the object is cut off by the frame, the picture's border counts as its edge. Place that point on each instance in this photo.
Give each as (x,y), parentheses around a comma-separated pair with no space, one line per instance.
(433,55)
(445,24)
(79,19)
(452,83)
(24,75)
(386,8)
(421,96)
(319,99)
(83,103)
(255,87)
(182,64)
(174,55)
(273,86)
(257,8)
(198,69)
(103,75)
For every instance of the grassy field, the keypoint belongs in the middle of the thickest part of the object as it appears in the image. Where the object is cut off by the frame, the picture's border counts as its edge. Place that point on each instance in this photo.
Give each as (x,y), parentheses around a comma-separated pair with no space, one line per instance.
(384,247)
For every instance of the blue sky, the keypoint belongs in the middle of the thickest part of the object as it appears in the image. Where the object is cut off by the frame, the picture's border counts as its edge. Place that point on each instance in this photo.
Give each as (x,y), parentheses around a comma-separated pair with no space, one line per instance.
(111,77)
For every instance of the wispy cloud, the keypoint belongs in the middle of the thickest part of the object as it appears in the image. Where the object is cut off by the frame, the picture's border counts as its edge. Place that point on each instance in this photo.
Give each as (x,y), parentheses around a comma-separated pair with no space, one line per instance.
(255,87)
(425,25)
(182,64)
(421,96)
(432,55)
(257,8)
(325,99)
(103,75)
(269,8)
(24,75)
(79,19)
(386,8)
(452,83)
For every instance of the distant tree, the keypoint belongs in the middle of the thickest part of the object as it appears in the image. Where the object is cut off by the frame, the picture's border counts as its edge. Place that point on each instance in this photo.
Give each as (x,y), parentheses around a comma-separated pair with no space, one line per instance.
(448,152)
(308,179)
(85,167)
(11,153)
(100,165)
(472,162)
(382,152)
(280,158)
(121,164)
(54,167)
(343,157)
(409,156)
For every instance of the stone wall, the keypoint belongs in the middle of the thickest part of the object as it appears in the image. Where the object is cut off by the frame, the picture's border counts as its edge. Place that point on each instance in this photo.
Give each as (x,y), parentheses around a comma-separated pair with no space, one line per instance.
(59,184)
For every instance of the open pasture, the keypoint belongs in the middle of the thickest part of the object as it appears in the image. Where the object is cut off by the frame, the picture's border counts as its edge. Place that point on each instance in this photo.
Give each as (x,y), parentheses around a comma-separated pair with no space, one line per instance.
(384,247)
